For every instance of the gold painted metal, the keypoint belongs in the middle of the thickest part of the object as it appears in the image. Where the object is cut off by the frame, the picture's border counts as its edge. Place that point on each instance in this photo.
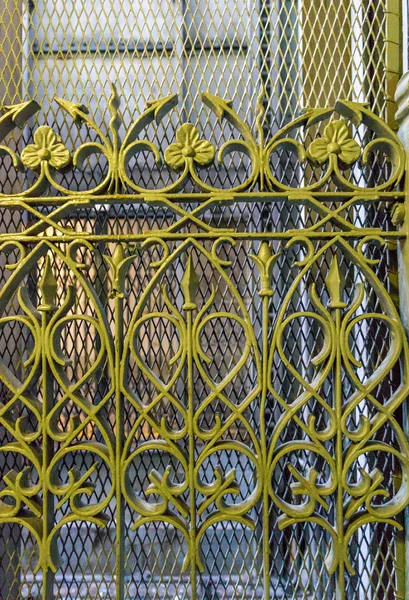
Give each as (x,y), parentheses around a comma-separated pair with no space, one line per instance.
(393,57)
(335,149)
(333,500)
(303,53)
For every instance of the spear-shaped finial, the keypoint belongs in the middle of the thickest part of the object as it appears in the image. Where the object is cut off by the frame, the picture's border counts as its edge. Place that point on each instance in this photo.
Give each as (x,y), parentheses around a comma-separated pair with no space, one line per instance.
(48,288)
(190,285)
(335,285)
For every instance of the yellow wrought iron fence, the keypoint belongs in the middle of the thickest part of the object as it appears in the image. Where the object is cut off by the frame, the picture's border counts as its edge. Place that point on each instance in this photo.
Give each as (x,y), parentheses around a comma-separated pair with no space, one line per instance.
(229,419)
(203,369)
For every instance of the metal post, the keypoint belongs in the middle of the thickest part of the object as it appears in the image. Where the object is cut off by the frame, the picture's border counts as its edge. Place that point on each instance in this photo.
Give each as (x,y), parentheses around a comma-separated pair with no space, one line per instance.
(400,219)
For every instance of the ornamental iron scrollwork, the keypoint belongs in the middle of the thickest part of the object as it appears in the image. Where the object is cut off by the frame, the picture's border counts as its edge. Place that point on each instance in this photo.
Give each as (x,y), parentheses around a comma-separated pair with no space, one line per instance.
(336,154)
(321,428)
(32,412)
(344,440)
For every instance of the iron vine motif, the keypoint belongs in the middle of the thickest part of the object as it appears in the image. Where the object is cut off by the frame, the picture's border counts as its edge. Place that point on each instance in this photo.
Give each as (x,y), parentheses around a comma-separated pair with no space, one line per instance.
(345,495)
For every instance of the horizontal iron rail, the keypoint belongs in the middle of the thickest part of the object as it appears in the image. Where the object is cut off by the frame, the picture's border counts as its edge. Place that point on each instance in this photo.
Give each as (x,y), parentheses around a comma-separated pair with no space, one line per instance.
(299,197)
(212,235)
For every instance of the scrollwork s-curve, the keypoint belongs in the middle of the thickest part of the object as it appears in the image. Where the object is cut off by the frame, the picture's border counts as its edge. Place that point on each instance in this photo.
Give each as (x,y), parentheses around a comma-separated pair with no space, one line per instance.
(165,438)
(22,487)
(214,442)
(69,443)
(335,150)
(177,505)
(356,504)
(46,364)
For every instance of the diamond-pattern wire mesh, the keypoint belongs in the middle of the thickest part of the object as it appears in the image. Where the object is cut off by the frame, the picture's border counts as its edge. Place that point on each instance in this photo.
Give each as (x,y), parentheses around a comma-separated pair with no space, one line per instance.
(301,55)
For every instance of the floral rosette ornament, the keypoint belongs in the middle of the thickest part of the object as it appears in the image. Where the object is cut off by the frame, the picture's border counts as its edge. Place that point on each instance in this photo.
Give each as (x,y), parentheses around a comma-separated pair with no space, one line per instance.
(47,149)
(189,149)
(336,142)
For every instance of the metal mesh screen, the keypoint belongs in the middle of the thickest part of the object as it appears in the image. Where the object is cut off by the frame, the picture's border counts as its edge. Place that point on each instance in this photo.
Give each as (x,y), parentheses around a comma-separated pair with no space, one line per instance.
(273,59)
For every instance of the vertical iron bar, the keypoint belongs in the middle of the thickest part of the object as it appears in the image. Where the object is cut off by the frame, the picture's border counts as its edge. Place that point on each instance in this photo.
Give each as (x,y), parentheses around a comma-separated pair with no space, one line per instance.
(263,440)
(400,562)
(393,56)
(119,431)
(47,453)
(182,43)
(192,502)
(402,117)
(190,284)
(339,519)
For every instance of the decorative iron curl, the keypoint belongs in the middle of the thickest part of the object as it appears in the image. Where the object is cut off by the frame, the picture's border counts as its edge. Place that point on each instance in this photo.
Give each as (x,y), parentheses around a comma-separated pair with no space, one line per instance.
(336,152)
(357,496)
